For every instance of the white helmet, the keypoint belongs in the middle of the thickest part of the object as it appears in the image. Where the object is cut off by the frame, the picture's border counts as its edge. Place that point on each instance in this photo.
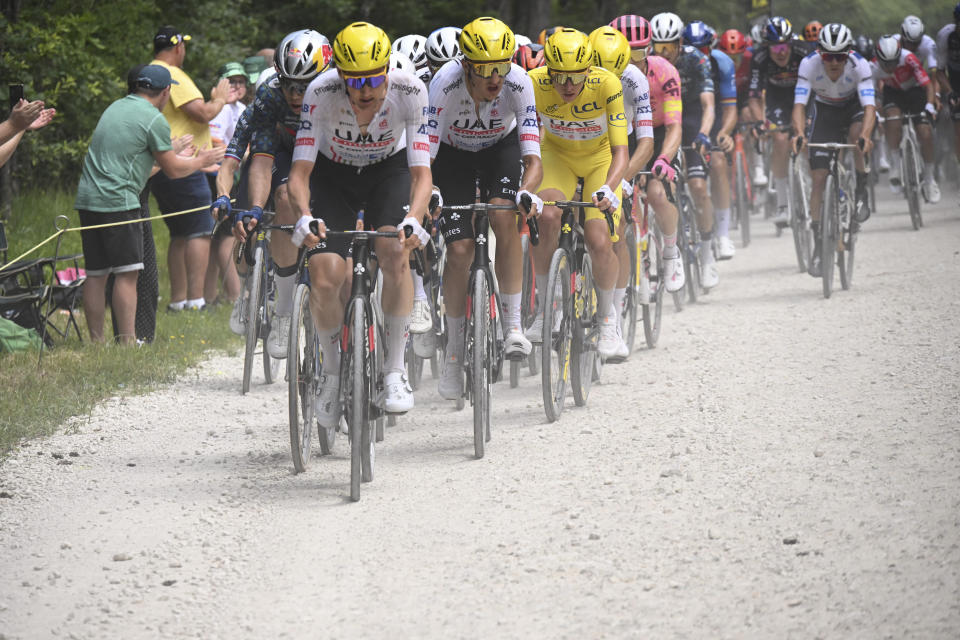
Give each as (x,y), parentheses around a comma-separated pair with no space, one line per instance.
(888,48)
(756,34)
(302,55)
(666,27)
(912,29)
(412,46)
(521,40)
(402,62)
(443,46)
(835,38)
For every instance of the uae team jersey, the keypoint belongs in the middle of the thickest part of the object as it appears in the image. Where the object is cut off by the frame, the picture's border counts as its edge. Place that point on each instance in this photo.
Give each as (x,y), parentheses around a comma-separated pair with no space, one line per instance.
(328,124)
(908,74)
(926,50)
(454,118)
(592,123)
(636,102)
(664,91)
(856,80)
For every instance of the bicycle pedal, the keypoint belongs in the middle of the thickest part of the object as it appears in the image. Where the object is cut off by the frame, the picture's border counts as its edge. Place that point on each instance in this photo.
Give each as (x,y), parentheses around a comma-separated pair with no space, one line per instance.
(613,360)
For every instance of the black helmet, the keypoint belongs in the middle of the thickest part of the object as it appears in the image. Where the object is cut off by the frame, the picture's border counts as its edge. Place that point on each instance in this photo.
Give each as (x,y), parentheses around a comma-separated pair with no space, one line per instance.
(864,46)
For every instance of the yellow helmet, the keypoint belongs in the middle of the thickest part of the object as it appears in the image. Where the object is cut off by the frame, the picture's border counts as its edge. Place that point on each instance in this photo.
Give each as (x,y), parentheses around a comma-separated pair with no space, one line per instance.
(361,47)
(611,50)
(487,40)
(568,50)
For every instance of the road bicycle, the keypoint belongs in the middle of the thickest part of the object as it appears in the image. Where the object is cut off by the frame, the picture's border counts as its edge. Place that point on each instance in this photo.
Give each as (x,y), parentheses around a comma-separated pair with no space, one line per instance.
(529,308)
(571,323)
(911,166)
(838,230)
(741,185)
(483,327)
(257,302)
(800,210)
(646,286)
(688,233)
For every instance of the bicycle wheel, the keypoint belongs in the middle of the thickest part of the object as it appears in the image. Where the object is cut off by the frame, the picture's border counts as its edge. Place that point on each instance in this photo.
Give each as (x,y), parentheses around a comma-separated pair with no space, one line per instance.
(828,233)
(302,368)
(355,387)
(847,244)
(800,217)
(911,186)
(271,366)
(555,352)
(740,194)
(631,300)
(255,279)
(479,357)
(652,268)
(528,302)
(586,333)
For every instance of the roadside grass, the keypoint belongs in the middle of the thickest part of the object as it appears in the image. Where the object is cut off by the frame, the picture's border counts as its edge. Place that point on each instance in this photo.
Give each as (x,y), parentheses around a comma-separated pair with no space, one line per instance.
(73,376)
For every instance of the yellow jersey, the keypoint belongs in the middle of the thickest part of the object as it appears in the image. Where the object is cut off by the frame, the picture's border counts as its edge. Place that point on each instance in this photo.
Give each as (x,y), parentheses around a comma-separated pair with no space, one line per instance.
(180,94)
(592,123)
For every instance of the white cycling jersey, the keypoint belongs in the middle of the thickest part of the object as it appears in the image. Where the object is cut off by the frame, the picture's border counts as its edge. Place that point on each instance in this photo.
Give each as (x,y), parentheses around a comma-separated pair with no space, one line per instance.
(856,80)
(328,124)
(927,51)
(636,102)
(455,119)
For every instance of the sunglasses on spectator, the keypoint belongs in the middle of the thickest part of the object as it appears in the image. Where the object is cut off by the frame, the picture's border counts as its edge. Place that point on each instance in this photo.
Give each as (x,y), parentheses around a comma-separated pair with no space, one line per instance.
(373,80)
(573,77)
(486,69)
(291,86)
(834,57)
(638,55)
(778,49)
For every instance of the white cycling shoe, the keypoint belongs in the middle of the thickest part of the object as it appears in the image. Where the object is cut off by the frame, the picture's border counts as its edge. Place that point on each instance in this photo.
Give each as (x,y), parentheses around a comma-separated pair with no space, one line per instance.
(279,336)
(397,395)
(931,191)
(238,320)
(327,403)
(726,247)
(759,177)
(516,343)
(673,273)
(534,332)
(420,318)
(424,344)
(451,379)
(611,345)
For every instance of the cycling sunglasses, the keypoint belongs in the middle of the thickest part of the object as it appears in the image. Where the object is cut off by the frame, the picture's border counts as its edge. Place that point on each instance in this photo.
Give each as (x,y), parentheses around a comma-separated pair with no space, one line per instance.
(573,77)
(834,57)
(486,69)
(291,86)
(660,47)
(638,55)
(373,81)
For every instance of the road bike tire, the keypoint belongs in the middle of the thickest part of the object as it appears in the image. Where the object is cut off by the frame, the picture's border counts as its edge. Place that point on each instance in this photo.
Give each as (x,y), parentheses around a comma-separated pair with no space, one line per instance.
(799,218)
(652,270)
(628,315)
(911,185)
(302,350)
(479,358)
(743,206)
(847,247)
(691,257)
(355,387)
(828,233)
(528,303)
(255,279)
(555,351)
(271,366)
(586,333)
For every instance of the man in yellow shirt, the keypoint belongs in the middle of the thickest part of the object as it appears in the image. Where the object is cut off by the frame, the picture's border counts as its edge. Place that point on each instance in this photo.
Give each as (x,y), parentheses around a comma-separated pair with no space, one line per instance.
(187,113)
(584,136)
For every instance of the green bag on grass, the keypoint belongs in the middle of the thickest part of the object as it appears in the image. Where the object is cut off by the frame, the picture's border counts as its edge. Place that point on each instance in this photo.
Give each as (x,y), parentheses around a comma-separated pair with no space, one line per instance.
(13,337)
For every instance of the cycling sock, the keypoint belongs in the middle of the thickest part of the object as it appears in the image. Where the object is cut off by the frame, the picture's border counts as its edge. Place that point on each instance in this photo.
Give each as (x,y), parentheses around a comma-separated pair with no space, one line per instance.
(330,348)
(928,172)
(454,336)
(285,285)
(706,252)
(511,311)
(782,185)
(605,303)
(895,159)
(541,282)
(396,330)
(418,292)
(670,241)
(619,295)
(723,222)
(861,188)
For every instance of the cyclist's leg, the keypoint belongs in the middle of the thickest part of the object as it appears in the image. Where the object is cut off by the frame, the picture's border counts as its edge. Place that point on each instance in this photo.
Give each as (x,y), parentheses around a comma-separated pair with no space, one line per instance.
(893,130)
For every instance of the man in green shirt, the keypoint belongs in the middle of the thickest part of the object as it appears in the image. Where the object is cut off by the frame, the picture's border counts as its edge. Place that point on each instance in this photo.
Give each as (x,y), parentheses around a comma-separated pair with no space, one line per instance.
(131,135)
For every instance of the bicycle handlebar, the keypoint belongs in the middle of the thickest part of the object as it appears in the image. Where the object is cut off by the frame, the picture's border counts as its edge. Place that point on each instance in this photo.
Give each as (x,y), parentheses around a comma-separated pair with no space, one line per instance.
(832,146)
(486,206)
(357,234)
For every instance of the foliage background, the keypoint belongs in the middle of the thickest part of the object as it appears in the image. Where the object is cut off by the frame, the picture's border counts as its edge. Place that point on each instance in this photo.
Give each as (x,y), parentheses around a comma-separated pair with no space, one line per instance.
(74,54)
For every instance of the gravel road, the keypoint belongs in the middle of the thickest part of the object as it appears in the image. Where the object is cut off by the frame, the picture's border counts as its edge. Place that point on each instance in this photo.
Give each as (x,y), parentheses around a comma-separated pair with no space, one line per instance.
(781,466)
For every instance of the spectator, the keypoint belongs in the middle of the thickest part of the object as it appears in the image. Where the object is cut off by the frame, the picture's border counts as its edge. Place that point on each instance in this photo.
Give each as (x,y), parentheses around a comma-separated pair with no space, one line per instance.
(257,64)
(187,113)
(25,116)
(130,135)
(221,130)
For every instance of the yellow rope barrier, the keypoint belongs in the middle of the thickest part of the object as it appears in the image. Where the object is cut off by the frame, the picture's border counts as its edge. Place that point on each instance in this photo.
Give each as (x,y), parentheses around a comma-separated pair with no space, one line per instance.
(102,226)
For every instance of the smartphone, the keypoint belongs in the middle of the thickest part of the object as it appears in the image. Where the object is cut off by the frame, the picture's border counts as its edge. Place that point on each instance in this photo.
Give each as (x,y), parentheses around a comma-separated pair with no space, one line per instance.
(16,94)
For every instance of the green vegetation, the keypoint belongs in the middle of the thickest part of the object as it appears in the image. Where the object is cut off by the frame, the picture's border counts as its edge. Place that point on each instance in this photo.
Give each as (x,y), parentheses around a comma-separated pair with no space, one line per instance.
(74,377)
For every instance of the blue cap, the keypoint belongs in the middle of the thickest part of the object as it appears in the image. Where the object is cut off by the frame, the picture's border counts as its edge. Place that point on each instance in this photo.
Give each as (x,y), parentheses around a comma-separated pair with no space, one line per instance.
(153,76)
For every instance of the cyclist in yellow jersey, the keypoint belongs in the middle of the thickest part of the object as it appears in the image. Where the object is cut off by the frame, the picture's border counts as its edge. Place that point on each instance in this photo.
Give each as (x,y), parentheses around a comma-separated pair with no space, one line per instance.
(584,136)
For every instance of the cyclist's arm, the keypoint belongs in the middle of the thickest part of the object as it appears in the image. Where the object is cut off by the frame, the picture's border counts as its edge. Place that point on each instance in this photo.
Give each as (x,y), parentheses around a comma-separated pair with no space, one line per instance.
(640,159)
(421,188)
(298,187)
(799,118)
(259,179)
(673,134)
(728,120)
(225,176)
(532,173)
(618,165)
(867,94)
(706,120)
